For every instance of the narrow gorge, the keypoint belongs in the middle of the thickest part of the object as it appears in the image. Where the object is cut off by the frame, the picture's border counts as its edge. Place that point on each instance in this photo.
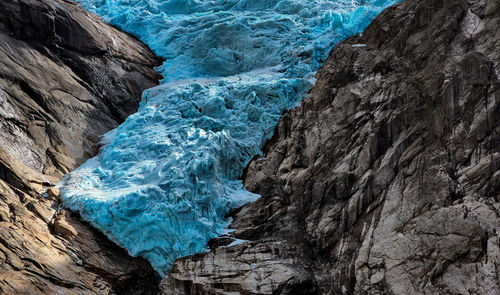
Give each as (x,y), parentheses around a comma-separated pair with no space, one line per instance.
(258,147)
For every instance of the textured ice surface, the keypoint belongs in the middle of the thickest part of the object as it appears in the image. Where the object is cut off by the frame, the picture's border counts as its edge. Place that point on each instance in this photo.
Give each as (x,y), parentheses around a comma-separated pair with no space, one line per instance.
(165,179)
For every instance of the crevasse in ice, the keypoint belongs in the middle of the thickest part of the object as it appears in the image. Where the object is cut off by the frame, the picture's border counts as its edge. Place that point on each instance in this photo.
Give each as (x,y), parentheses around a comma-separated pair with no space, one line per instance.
(165,179)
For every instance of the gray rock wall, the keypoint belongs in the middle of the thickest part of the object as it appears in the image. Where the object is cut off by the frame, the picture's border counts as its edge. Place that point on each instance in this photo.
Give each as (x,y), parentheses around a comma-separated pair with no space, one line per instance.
(386,179)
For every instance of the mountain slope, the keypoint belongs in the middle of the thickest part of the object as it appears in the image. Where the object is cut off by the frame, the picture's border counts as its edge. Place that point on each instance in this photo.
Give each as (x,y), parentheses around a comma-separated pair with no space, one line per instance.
(386,179)
(65,79)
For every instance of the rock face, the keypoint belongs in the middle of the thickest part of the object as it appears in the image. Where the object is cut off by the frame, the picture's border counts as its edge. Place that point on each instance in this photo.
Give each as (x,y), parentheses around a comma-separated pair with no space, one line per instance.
(386,179)
(65,79)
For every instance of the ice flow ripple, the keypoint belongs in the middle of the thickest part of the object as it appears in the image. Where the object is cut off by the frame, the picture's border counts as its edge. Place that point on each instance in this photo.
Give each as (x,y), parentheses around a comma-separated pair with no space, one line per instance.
(166,178)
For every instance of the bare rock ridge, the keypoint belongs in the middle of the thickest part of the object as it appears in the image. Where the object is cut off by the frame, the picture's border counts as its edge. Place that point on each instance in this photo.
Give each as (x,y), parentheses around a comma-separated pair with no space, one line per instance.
(386,179)
(65,79)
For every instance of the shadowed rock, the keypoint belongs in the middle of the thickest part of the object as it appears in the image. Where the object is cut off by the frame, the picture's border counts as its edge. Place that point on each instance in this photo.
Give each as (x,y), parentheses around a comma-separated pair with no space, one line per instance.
(386,179)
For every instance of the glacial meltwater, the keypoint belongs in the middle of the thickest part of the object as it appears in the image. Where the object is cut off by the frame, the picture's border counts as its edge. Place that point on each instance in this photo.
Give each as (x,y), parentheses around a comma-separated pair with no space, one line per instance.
(166,178)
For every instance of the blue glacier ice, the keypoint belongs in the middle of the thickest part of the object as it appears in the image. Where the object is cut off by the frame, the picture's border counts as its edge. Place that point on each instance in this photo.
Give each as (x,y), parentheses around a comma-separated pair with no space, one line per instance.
(166,178)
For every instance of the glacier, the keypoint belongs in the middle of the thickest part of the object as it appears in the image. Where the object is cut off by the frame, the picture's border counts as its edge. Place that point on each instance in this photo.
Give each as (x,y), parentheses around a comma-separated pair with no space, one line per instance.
(165,180)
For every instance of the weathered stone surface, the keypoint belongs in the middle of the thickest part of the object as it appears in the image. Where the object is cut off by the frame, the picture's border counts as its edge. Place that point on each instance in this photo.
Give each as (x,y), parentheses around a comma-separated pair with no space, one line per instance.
(250,268)
(53,194)
(61,226)
(65,79)
(386,179)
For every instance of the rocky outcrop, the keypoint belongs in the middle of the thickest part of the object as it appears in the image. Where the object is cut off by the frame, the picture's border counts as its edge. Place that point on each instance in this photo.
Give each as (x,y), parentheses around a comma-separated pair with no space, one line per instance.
(386,179)
(65,79)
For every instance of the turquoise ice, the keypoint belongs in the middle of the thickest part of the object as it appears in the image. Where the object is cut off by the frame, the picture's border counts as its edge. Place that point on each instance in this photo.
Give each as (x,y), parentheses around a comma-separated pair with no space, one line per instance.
(165,179)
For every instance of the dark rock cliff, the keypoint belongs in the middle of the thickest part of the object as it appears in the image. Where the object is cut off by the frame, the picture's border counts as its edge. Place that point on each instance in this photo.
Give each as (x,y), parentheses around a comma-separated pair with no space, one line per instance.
(65,78)
(386,179)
